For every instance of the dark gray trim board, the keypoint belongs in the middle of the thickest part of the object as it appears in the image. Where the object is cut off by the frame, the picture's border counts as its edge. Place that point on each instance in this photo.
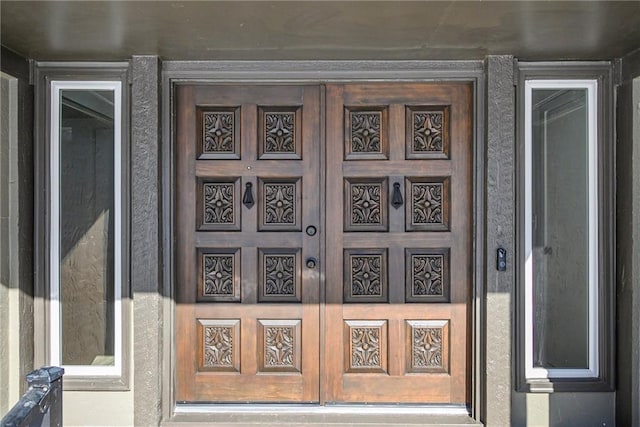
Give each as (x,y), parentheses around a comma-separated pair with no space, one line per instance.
(298,72)
(146,243)
(500,158)
(479,392)
(628,243)
(318,71)
(630,66)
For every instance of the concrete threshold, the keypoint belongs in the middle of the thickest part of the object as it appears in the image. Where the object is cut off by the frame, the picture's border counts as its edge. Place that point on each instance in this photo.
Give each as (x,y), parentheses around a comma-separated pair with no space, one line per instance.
(316,416)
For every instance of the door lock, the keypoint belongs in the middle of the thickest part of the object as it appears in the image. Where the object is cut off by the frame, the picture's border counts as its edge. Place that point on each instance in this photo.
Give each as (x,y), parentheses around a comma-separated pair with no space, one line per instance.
(311,230)
(311,262)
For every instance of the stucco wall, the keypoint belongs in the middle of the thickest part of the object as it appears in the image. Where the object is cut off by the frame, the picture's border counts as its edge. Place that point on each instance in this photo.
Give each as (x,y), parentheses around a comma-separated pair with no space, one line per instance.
(563,409)
(146,235)
(628,242)
(500,128)
(16,204)
(7,113)
(98,408)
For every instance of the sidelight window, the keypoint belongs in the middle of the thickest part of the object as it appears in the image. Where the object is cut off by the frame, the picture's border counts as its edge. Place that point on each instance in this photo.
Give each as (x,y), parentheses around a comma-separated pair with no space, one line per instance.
(86,250)
(561,241)
(564,236)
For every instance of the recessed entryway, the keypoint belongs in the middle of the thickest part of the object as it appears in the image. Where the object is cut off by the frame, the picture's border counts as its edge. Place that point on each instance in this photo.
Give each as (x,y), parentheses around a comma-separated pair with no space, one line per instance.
(324,243)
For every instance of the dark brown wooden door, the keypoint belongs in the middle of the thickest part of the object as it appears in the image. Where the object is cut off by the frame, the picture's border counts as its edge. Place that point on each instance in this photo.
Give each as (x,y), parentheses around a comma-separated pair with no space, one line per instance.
(386,300)
(247,185)
(398,263)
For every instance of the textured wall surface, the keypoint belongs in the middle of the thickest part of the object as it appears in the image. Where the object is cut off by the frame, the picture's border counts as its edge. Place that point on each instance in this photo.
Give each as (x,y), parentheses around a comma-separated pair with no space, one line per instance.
(4,242)
(146,257)
(21,227)
(628,243)
(98,408)
(500,113)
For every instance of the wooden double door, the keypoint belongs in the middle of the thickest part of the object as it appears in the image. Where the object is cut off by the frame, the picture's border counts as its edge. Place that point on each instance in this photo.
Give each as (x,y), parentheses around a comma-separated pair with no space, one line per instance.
(323,243)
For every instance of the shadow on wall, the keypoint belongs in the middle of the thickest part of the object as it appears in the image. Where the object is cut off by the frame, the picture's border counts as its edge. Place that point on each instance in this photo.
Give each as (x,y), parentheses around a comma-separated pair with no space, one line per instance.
(563,409)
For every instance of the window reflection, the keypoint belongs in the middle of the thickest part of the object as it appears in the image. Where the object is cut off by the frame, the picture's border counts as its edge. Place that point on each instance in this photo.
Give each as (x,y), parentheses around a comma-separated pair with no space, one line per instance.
(560,228)
(87,227)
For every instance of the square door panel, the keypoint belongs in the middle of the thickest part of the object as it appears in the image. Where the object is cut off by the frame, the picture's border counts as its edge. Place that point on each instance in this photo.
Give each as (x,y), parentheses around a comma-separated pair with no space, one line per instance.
(280,203)
(427,346)
(218,204)
(365,346)
(366,133)
(365,275)
(219,274)
(366,204)
(279,345)
(218,133)
(427,132)
(219,345)
(427,275)
(279,131)
(428,201)
(280,275)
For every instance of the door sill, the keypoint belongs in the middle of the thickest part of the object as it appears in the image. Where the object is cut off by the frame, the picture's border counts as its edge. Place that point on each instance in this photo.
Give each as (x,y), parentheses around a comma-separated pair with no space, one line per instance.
(235,415)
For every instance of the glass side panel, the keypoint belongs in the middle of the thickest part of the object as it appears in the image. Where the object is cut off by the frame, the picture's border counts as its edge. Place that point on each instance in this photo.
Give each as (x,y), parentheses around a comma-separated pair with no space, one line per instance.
(87,227)
(560,228)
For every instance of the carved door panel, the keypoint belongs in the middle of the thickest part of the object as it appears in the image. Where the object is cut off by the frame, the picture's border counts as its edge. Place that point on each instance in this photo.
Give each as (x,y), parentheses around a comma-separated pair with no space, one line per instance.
(398,261)
(247,185)
(397,264)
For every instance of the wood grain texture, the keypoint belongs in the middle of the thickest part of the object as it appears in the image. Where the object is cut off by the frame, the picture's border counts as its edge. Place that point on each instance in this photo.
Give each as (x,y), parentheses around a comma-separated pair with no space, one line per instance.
(367,364)
(260,342)
(373,329)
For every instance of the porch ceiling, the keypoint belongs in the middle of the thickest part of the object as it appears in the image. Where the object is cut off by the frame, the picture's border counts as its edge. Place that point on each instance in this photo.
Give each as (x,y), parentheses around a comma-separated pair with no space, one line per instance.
(270,30)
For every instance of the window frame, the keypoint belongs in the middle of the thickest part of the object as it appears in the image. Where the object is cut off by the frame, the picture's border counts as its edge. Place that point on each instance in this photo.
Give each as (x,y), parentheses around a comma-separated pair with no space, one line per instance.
(596,78)
(55,347)
(51,78)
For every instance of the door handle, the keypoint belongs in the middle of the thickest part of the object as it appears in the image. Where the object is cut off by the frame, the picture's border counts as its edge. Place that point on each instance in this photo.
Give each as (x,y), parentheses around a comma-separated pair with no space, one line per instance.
(311,262)
(396,198)
(247,199)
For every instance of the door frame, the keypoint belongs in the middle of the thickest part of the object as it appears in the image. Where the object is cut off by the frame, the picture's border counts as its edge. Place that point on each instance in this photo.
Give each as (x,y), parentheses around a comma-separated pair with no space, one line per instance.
(319,72)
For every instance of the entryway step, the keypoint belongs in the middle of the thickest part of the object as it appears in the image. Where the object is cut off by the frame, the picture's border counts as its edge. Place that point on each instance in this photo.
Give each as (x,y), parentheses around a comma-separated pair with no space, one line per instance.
(331,416)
